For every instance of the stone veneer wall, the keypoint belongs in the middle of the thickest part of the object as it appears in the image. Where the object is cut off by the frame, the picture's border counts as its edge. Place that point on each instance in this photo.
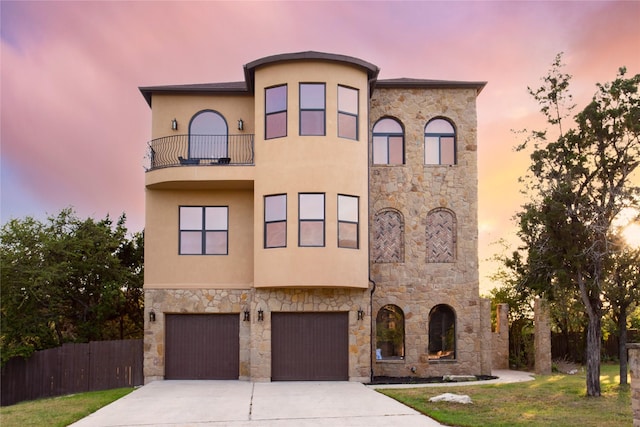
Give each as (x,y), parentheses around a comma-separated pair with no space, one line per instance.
(542,337)
(501,338)
(255,336)
(634,369)
(415,190)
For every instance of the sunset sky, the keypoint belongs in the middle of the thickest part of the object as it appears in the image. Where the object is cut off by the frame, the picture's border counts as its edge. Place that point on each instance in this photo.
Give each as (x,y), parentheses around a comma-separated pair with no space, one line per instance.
(74,126)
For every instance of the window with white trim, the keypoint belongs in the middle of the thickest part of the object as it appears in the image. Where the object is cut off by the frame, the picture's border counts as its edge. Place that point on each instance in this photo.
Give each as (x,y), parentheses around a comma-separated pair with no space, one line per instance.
(204,230)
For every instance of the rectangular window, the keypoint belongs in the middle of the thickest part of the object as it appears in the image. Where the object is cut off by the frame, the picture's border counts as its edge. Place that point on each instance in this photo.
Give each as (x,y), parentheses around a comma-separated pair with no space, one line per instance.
(347,112)
(311,219)
(275,112)
(275,221)
(348,215)
(204,230)
(312,109)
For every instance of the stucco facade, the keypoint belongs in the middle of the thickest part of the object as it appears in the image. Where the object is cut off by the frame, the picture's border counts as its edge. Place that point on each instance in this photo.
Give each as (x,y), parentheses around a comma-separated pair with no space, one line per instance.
(308,202)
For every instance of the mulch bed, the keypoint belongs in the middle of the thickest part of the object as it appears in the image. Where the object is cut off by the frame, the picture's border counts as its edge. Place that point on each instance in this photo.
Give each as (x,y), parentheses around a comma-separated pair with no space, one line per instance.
(422,380)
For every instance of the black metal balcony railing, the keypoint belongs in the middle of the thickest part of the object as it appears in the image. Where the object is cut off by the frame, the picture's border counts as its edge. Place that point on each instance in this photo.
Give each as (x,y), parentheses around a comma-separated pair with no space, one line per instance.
(193,150)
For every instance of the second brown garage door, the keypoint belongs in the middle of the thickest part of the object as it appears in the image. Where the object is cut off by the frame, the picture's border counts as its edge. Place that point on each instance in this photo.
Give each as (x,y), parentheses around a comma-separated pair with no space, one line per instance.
(202,346)
(310,346)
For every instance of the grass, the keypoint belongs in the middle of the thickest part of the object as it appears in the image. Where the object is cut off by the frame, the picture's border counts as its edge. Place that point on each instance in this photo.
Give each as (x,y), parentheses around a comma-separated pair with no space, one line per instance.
(551,400)
(58,411)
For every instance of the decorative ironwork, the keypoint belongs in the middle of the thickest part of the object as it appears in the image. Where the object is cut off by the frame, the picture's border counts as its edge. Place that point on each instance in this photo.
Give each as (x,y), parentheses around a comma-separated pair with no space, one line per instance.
(200,150)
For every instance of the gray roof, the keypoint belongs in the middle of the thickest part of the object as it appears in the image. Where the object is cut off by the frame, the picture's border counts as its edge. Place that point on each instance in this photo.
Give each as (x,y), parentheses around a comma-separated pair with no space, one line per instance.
(246,87)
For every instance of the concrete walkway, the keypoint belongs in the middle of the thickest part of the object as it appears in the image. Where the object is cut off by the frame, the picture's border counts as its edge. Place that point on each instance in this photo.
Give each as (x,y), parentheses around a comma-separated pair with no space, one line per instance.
(278,404)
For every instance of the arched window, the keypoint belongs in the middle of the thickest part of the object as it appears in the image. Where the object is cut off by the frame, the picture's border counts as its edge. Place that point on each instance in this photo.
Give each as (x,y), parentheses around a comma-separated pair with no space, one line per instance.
(441,236)
(442,333)
(388,142)
(390,333)
(439,143)
(388,236)
(208,136)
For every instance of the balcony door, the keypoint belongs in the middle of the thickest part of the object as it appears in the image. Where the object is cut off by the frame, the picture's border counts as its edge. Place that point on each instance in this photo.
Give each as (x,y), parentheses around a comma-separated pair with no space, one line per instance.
(208,136)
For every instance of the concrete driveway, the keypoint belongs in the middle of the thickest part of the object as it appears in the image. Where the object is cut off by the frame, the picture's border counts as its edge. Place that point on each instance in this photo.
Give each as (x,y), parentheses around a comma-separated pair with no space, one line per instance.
(243,403)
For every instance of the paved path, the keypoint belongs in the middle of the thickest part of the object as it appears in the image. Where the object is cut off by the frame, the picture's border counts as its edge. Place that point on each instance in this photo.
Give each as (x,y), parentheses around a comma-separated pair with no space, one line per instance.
(277,404)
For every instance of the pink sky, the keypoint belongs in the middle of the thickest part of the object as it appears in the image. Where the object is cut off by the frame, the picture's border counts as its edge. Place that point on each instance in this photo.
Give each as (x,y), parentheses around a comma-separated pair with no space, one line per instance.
(74,126)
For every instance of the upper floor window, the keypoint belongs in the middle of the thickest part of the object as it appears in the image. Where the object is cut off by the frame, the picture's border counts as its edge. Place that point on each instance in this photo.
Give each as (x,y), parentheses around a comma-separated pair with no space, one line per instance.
(208,135)
(347,221)
(312,109)
(275,221)
(204,230)
(390,333)
(439,143)
(347,112)
(388,142)
(275,112)
(311,219)
(442,333)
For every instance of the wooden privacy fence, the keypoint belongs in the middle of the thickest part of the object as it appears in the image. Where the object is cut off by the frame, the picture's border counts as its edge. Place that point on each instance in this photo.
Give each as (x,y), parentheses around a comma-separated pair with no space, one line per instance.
(72,368)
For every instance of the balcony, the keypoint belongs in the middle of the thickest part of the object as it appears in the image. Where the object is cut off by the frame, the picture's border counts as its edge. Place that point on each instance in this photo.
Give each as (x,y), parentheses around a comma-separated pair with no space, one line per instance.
(200,150)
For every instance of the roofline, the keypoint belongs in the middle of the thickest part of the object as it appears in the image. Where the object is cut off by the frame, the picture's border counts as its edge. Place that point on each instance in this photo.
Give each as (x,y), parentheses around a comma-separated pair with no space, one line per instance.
(232,88)
(250,68)
(429,84)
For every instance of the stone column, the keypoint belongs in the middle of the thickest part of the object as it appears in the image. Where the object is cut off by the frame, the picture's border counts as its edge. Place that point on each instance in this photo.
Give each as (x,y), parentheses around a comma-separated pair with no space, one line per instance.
(542,334)
(501,338)
(485,337)
(634,368)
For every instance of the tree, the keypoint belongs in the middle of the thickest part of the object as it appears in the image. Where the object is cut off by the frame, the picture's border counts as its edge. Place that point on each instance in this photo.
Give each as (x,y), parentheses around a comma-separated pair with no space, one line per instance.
(68,280)
(578,182)
(622,291)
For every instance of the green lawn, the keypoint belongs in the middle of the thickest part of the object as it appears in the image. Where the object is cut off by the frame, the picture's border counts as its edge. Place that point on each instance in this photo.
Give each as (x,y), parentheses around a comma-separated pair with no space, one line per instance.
(58,411)
(551,400)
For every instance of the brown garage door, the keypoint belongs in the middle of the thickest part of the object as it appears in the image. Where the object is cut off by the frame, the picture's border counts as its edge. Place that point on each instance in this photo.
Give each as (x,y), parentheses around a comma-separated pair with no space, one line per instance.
(310,346)
(202,346)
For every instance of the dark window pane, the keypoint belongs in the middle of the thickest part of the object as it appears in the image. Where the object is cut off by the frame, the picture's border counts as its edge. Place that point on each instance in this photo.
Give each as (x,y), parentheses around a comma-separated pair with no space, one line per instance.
(312,123)
(347,235)
(311,233)
(442,333)
(276,99)
(276,125)
(276,235)
(390,333)
(347,126)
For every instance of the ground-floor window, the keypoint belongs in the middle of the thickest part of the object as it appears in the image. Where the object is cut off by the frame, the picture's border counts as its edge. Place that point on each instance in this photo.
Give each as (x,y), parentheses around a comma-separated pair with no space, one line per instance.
(390,333)
(442,333)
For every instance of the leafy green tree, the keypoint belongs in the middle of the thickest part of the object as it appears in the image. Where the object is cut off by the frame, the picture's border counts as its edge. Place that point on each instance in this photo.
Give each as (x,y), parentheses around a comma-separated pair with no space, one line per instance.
(578,182)
(68,280)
